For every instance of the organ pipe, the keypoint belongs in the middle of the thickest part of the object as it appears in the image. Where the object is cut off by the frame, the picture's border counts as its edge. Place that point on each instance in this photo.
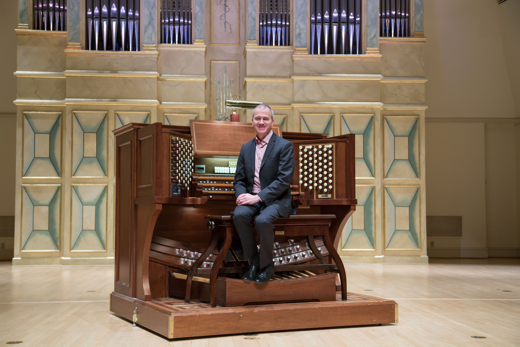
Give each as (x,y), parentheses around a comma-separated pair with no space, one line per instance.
(112,25)
(274,22)
(394,17)
(50,15)
(335,27)
(176,22)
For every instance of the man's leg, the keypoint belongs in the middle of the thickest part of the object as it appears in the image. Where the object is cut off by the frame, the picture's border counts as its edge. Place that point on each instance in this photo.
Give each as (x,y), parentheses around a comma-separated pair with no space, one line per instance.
(242,218)
(265,229)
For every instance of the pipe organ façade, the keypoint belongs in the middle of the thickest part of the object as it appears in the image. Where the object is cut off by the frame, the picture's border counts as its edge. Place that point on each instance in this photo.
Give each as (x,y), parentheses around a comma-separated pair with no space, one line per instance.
(108,63)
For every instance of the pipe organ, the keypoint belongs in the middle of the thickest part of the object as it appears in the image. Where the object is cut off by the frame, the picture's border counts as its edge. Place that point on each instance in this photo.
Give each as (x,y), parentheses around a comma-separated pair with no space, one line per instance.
(176,22)
(50,15)
(335,27)
(274,20)
(394,16)
(112,25)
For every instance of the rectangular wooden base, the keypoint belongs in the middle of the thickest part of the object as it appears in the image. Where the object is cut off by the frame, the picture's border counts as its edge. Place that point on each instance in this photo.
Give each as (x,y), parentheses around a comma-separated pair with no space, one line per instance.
(235,292)
(175,319)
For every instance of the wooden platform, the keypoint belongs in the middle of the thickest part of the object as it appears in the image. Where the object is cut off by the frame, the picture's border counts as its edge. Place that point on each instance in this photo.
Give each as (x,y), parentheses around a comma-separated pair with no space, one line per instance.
(175,319)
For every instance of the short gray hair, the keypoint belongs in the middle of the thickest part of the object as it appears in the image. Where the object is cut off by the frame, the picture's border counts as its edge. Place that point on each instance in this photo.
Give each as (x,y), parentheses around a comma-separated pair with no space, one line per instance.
(262,106)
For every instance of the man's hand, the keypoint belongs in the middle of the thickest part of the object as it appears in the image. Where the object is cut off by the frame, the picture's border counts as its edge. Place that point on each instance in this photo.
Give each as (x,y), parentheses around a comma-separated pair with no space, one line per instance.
(248,199)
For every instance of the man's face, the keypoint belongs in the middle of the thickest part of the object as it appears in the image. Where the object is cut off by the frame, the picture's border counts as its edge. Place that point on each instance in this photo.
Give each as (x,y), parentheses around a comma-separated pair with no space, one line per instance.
(262,122)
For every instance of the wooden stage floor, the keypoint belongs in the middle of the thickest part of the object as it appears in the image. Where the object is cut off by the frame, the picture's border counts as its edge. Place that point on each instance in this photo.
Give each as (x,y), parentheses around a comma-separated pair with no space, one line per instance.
(440,304)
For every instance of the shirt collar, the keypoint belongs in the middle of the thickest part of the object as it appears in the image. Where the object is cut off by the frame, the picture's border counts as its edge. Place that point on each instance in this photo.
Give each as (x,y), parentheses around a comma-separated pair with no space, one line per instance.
(267,138)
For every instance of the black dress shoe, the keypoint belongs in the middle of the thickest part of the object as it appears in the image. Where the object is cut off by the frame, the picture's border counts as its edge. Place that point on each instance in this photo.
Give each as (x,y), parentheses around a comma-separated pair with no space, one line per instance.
(253,269)
(265,274)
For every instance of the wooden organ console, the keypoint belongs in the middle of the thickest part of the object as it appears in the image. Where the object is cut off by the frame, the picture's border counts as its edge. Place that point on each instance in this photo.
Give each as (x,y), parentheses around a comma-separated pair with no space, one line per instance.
(171,179)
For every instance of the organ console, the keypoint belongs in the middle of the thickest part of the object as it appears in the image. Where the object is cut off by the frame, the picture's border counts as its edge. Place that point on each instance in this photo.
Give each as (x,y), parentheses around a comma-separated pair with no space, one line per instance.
(174,196)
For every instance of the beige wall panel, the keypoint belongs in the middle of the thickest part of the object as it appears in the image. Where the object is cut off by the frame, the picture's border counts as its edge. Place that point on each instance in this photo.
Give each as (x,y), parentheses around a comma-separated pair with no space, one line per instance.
(88,230)
(224,22)
(200,113)
(41,88)
(182,91)
(269,91)
(282,121)
(40,224)
(401,147)
(501,174)
(90,144)
(123,118)
(402,218)
(41,52)
(403,93)
(306,91)
(404,59)
(93,87)
(359,232)
(179,119)
(363,127)
(456,184)
(314,65)
(41,144)
(261,61)
(111,61)
(227,73)
(317,123)
(182,60)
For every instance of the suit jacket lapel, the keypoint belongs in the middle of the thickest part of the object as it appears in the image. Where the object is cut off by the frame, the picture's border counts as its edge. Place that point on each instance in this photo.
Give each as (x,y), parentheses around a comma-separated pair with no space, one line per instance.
(252,157)
(269,149)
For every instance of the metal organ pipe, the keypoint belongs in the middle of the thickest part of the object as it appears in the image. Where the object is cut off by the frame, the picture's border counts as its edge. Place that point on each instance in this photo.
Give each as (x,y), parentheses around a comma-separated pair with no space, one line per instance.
(112,25)
(394,16)
(274,22)
(335,27)
(176,22)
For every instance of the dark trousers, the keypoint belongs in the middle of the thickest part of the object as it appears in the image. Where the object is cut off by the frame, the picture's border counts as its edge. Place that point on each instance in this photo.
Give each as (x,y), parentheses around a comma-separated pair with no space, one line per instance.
(242,219)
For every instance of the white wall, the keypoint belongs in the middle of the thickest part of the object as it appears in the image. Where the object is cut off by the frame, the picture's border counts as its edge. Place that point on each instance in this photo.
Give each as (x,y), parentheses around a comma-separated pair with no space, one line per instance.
(518,182)
(455,183)
(473,99)
(509,22)
(465,62)
(501,199)
(7,160)
(8,22)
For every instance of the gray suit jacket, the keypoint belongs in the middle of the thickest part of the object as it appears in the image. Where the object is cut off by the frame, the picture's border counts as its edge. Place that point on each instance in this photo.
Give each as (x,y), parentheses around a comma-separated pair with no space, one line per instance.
(276,172)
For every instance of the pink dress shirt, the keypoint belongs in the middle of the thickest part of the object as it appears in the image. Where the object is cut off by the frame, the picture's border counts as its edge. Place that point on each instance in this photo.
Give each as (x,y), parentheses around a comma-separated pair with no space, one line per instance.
(261,146)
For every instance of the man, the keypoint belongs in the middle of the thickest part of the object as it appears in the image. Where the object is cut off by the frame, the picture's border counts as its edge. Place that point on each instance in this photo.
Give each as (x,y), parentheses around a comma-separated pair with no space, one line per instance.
(262,186)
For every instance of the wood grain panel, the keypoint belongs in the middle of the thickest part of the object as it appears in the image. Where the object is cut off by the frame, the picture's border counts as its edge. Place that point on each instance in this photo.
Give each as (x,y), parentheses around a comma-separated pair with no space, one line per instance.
(145,161)
(222,138)
(124,194)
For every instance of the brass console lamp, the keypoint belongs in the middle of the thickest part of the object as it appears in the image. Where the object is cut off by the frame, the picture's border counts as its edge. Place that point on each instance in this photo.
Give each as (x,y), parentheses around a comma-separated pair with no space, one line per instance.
(236,104)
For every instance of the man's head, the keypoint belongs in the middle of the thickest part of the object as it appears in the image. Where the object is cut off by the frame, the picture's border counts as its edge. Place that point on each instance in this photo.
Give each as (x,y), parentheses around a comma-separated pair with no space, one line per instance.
(263,119)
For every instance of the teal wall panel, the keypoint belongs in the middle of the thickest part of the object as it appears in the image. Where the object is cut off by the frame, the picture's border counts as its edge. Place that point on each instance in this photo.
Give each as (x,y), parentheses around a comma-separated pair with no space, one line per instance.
(89,144)
(89,218)
(402,218)
(40,218)
(42,145)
